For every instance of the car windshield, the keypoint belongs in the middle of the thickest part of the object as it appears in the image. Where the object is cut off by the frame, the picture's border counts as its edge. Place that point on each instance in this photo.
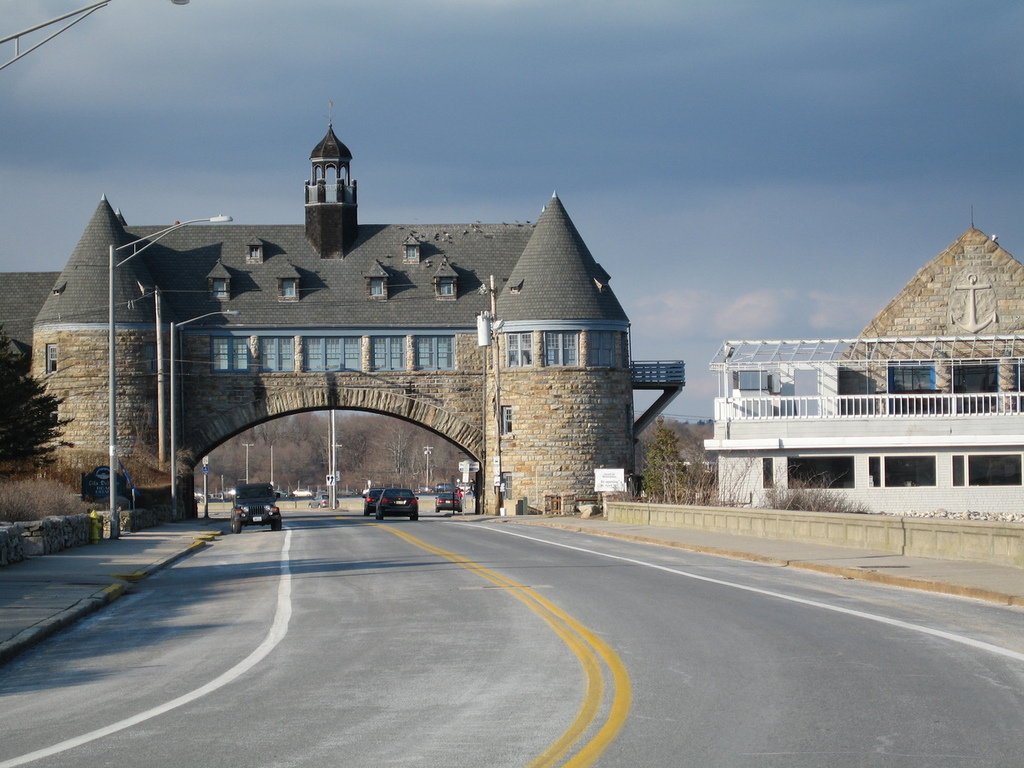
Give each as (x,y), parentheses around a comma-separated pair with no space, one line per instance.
(255,491)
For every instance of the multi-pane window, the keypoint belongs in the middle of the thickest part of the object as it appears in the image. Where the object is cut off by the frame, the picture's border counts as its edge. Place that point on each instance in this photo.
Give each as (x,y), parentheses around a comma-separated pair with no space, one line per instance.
(51,358)
(505,420)
(333,353)
(446,286)
(378,287)
(289,288)
(388,353)
(434,352)
(601,348)
(277,353)
(911,378)
(219,287)
(561,348)
(149,356)
(519,347)
(230,354)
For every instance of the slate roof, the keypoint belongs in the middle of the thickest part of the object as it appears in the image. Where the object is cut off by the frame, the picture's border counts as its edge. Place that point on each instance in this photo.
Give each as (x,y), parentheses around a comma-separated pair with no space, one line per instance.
(556,278)
(555,271)
(332,291)
(23,294)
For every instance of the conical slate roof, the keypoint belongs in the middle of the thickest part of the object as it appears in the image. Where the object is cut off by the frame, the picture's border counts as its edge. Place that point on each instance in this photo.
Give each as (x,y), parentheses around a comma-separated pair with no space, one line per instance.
(556,278)
(80,294)
(330,148)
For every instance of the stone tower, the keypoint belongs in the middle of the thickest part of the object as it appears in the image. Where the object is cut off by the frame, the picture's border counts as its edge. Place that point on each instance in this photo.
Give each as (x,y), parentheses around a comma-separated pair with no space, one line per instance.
(331,207)
(565,400)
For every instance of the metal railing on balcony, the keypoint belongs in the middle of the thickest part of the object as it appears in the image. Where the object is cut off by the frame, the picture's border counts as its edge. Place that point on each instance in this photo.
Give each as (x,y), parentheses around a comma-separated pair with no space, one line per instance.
(659,373)
(887,406)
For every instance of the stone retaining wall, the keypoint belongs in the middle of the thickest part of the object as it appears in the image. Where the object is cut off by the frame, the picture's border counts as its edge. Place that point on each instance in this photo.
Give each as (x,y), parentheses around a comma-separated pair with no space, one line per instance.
(979,541)
(33,538)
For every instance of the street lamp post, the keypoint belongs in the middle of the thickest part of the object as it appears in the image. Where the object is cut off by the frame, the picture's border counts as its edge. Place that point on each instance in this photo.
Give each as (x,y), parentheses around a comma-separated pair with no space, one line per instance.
(247,447)
(427,450)
(115,522)
(174,404)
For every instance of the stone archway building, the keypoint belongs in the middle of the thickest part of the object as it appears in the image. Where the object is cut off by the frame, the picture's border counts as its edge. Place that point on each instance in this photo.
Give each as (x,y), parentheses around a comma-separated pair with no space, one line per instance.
(272,320)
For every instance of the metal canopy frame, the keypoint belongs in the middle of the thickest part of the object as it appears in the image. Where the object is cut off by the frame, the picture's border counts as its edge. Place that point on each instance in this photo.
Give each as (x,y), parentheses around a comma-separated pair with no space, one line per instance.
(812,353)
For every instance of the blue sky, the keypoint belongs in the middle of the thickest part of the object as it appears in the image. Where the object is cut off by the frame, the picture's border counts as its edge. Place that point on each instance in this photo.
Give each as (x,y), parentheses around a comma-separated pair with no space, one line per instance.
(741,169)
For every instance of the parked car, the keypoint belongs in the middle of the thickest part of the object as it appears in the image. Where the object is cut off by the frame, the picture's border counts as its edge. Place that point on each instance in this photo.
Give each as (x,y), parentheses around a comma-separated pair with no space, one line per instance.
(398,501)
(370,501)
(320,500)
(255,504)
(448,500)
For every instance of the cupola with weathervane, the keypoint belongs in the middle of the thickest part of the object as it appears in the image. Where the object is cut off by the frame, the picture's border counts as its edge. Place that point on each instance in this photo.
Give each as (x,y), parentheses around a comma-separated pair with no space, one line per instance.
(331,220)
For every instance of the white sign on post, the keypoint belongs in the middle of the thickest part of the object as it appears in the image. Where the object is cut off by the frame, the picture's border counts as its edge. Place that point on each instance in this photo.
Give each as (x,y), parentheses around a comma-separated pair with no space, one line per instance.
(610,480)
(330,480)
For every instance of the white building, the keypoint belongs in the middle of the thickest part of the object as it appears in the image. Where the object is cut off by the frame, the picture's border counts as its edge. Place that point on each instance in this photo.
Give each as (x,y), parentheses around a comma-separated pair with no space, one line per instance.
(923,411)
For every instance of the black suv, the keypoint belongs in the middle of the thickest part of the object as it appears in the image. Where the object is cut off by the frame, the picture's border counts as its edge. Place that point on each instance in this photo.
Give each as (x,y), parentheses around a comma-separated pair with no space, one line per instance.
(398,501)
(255,504)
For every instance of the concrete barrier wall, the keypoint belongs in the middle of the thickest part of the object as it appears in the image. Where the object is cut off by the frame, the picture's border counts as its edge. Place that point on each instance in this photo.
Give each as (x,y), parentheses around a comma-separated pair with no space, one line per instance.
(986,542)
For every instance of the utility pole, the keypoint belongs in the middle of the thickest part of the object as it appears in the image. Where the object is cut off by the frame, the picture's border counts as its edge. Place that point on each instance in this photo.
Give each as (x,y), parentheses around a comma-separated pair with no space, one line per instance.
(487,335)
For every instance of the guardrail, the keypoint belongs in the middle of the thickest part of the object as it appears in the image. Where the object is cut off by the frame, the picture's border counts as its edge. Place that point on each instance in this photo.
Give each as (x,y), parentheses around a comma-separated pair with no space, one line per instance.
(659,373)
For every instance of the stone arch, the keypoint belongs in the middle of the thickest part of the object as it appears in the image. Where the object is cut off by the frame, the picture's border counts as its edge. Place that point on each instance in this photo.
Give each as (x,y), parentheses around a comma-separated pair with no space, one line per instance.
(448,424)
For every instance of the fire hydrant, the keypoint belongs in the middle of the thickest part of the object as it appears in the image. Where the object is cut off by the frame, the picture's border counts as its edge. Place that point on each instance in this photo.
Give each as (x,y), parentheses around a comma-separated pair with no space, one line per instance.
(95,527)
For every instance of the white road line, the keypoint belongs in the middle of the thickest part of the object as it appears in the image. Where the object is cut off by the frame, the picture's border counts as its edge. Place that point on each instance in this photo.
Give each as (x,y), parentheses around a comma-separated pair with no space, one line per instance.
(968,641)
(278,630)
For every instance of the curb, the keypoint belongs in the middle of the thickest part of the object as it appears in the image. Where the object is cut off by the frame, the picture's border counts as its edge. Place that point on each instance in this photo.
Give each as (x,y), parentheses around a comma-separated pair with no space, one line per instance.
(924,585)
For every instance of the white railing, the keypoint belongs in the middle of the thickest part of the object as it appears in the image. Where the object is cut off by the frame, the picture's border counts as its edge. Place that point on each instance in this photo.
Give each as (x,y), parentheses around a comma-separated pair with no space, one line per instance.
(868,406)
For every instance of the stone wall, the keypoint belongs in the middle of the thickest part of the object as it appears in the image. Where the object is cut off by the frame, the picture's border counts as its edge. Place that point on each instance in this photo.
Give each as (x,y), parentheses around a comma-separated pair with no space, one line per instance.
(50,535)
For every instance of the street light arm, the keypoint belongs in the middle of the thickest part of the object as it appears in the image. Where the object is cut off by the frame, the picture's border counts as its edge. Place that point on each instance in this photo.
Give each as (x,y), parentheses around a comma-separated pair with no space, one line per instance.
(81,13)
(156,236)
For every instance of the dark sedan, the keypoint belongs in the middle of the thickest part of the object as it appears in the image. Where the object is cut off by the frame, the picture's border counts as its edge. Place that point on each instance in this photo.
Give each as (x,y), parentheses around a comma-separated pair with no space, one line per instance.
(398,501)
(448,500)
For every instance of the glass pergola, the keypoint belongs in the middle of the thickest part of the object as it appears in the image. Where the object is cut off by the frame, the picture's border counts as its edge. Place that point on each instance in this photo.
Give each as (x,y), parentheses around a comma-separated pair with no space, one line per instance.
(813,353)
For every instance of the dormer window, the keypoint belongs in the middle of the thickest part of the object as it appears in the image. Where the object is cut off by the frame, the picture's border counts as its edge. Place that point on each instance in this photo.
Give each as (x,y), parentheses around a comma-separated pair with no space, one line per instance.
(288,283)
(288,289)
(377,282)
(220,288)
(218,281)
(411,252)
(254,252)
(445,281)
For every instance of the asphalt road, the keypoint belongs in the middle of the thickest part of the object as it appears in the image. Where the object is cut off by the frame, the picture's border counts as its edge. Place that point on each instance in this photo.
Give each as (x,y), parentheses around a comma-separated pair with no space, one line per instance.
(445,643)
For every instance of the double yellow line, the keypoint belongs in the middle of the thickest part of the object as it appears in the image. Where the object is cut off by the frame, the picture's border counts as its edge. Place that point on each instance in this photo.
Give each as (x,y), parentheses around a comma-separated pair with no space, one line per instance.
(572,746)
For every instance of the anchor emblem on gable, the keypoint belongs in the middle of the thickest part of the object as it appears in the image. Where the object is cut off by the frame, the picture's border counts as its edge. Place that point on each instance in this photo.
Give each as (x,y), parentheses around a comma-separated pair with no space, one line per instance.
(972,305)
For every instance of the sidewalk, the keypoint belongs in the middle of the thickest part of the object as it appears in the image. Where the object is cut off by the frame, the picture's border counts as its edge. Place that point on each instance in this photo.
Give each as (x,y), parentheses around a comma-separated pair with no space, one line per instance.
(41,595)
(994,583)
(44,594)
